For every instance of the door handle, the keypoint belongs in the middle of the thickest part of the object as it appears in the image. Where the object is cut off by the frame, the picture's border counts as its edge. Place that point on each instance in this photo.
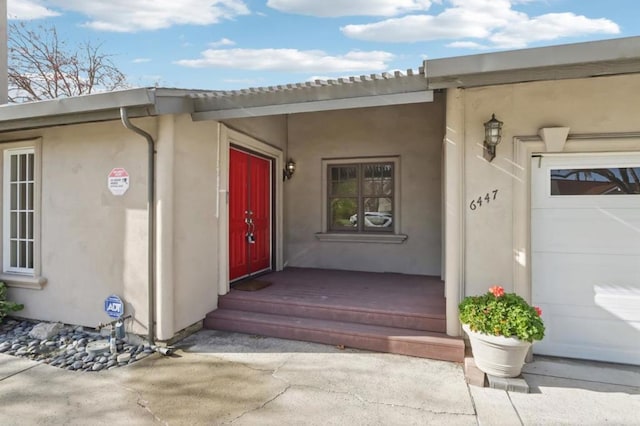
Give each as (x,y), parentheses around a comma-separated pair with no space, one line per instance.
(251,239)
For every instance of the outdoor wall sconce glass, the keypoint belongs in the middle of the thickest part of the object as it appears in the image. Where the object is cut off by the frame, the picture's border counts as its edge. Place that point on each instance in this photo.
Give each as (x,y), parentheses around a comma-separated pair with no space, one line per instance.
(289,169)
(492,137)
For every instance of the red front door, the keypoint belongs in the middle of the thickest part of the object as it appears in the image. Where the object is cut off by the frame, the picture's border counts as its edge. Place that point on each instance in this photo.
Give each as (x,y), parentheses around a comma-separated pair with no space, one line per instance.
(249,214)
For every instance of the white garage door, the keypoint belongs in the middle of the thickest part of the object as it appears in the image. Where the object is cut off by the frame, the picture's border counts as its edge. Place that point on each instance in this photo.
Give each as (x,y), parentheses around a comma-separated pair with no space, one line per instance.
(585,241)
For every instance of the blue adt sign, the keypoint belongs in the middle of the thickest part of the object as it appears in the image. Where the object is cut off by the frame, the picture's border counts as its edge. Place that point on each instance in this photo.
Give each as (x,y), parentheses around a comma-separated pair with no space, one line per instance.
(113,306)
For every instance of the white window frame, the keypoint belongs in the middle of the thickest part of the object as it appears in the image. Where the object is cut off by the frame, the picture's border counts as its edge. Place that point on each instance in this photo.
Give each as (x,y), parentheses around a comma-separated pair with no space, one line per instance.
(394,237)
(17,276)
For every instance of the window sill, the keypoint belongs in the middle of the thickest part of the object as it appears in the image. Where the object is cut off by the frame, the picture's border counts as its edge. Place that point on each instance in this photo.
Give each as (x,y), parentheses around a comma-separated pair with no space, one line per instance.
(23,281)
(362,238)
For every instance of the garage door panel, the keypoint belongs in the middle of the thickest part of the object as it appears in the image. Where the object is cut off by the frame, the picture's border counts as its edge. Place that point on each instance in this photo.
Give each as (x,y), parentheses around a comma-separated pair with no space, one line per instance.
(623,302)
(577,279)
(613,231)
(585,262)
(566,335)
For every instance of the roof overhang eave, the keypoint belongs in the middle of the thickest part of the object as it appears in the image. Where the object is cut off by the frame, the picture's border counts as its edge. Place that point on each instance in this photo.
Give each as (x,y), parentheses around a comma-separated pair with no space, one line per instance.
(140,102)
(74,110)
(69,119)
(314,106)
(580,60)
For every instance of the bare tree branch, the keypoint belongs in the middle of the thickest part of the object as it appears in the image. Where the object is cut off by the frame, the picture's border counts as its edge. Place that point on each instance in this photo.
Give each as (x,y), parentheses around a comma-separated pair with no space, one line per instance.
(42,66)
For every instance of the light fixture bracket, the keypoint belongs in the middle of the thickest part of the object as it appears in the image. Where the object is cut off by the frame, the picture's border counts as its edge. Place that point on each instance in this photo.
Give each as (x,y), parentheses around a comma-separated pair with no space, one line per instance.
(492,137)
(289,170)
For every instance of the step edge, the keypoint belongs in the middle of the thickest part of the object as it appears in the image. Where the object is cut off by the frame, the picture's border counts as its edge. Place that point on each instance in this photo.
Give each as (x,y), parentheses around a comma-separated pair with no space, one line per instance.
(453,345)
(338,307)
(446,340)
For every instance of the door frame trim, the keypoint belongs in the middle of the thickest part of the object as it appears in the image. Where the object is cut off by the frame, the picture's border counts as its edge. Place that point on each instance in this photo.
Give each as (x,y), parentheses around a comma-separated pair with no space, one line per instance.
(227,138)
(524,147)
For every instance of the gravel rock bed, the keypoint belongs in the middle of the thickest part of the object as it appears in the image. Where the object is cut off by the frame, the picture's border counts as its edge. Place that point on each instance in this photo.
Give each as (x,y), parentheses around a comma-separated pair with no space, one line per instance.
(68,348)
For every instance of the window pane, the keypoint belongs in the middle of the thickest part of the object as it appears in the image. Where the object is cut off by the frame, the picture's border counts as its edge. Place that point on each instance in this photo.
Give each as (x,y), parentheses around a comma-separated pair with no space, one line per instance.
(609,181)
(22,261)
(22,172)
(378,179)
(30,225)
(378,213)
(344,181)
(22,225)
(30,255)
(343,213)
(22,196)
(14,196)
(30,174)
(30,197)
(14,254)
(14,168)
(14,225)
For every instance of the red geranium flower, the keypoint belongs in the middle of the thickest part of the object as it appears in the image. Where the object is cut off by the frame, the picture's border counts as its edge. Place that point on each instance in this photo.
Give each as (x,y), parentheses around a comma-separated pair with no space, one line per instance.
(538,311)
(497,290)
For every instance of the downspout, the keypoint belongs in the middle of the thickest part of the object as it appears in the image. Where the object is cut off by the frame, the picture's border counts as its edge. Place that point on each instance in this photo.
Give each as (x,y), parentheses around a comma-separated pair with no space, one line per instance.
(151,218)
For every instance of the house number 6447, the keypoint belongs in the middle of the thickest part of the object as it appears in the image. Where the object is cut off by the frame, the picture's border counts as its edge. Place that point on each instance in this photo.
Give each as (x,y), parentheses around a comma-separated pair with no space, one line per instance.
(477,203)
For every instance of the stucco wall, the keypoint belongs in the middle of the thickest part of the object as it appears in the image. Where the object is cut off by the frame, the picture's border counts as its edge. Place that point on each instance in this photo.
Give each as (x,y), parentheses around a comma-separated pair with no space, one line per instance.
(412,132)
(195,220)
(270,129)
(93,243)
(596,105)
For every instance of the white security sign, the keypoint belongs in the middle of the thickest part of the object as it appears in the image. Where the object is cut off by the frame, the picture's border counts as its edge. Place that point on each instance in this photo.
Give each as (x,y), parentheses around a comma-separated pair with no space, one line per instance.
(118,181)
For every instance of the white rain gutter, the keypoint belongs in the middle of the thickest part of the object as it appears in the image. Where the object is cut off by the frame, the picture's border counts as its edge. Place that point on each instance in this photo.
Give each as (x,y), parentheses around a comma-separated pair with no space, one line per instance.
(151,244)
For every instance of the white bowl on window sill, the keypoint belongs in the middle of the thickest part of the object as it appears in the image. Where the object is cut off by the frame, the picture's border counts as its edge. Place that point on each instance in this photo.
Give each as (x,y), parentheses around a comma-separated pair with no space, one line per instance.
(374,219)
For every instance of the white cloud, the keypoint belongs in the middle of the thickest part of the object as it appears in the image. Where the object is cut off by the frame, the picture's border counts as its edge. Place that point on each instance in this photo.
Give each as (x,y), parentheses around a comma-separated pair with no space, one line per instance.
(142,15)
(492,20)
(334,8)
(141,60)
(290,60)
(222,42)
(28,9)
(550,27)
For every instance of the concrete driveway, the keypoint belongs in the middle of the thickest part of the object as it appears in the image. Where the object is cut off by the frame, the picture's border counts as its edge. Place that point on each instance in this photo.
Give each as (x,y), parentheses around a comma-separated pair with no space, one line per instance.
(226,378)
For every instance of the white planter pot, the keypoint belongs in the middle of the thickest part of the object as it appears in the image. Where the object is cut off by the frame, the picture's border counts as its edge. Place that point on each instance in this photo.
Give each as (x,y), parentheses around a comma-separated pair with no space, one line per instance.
(497,355)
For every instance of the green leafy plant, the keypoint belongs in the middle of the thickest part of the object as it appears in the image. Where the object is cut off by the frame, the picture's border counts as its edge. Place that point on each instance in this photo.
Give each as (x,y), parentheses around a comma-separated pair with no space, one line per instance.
(7,307)
(497,313)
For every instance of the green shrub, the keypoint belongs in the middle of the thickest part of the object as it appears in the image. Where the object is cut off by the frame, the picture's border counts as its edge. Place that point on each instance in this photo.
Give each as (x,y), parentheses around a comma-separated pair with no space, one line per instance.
(7,307)
(498,313)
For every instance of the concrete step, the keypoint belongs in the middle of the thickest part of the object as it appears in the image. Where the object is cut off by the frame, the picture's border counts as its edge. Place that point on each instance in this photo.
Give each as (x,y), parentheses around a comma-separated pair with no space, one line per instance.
(402,341)
(401,317)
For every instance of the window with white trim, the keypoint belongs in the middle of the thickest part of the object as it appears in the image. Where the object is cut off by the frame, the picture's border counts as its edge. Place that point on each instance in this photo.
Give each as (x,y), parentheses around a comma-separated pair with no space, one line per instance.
(21,188)
(19,210)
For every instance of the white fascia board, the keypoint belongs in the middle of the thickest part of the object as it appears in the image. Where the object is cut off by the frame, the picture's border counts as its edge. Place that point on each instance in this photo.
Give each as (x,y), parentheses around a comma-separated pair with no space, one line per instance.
(96,107)
(549,61)
(315,106)
(77,104)
(61,120)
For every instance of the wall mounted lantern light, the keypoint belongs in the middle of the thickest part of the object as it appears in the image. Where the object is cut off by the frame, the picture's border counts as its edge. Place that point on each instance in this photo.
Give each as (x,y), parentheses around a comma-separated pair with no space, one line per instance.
(289,170)
(492,137)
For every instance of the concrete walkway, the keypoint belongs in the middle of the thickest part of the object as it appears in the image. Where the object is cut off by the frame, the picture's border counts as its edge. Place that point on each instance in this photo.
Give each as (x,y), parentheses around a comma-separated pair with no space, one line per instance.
(225,378)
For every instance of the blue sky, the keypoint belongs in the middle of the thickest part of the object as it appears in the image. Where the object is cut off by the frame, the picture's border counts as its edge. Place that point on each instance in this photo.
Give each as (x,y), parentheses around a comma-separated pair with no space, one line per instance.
(230,44)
